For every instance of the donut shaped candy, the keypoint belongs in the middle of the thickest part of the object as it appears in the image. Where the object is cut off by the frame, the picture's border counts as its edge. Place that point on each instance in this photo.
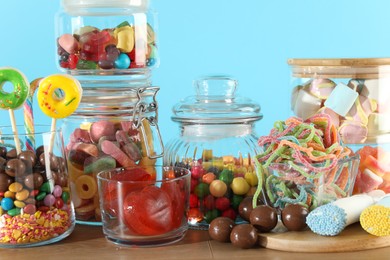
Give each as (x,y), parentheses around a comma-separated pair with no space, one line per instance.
(59,95)
(86,187)
(15,99)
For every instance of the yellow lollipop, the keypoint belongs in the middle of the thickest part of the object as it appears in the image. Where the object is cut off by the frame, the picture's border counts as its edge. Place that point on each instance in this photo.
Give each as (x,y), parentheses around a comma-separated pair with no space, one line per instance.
(58,97)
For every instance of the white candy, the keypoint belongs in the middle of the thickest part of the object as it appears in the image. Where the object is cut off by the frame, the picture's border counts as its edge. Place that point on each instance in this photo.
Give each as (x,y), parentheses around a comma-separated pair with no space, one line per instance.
(341,99)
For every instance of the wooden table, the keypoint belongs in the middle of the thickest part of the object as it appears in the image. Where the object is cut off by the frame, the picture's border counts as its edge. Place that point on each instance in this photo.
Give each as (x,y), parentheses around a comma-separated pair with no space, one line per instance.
(88,242)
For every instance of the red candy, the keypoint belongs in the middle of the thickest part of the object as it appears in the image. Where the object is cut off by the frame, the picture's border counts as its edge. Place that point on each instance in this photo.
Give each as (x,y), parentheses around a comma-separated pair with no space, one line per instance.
(148,212)
(176,195)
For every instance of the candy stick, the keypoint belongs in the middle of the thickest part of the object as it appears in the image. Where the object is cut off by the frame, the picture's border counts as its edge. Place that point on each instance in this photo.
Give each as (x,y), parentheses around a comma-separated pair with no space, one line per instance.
(29,116)
(376,218)
(58,97)
(15,99)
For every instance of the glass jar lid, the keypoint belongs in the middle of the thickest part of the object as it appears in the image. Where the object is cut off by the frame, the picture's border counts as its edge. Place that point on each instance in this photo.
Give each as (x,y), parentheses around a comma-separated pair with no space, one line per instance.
(216,102)
(137,6)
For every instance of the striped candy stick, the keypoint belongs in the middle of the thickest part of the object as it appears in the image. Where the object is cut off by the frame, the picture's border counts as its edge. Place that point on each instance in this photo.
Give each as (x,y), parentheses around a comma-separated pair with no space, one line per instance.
(29,116)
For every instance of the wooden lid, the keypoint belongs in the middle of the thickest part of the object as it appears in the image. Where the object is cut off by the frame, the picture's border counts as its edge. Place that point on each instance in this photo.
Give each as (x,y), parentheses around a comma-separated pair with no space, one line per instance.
(359,68)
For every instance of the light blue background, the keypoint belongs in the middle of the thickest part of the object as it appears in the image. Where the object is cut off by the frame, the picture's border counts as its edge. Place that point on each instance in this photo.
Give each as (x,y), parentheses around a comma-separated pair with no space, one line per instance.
(248,39)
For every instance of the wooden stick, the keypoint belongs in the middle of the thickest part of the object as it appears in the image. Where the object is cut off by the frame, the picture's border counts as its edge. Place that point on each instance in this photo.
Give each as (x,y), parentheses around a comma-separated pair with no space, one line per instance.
(15,131)
(52,134)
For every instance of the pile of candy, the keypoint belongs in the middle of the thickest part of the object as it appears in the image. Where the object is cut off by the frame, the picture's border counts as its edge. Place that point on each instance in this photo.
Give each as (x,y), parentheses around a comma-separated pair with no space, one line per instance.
(122,47)
(33,207)
(358,108)
(98,146)
(218,185)
(304,163)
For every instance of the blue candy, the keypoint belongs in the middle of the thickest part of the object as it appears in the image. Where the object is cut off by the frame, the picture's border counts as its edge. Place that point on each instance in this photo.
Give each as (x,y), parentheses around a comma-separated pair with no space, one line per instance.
(327,220)
(7,203)
(122,62)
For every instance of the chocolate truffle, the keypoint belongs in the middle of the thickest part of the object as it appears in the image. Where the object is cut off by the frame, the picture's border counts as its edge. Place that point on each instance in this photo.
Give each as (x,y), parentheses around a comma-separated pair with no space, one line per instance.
(243,236)
(264,218)
(220,229)
(294,217)
(5,181)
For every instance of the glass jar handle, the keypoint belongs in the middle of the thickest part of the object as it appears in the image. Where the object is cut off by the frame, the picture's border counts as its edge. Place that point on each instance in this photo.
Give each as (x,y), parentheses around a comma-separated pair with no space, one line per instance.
(151,153)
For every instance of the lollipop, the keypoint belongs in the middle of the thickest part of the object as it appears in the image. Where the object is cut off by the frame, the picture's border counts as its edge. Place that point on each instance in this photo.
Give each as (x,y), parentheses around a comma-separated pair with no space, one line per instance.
(58,97)
(29,116)
(15,99)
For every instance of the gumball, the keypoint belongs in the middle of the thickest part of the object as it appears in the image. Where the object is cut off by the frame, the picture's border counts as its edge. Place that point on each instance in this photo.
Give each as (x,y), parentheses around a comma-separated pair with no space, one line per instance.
(218,188)
(240,186)
(123,61)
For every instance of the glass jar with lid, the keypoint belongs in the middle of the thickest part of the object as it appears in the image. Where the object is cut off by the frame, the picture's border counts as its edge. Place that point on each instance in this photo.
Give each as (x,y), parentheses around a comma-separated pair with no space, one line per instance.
(114,126)
(106,37)
(217,142)
(355,94)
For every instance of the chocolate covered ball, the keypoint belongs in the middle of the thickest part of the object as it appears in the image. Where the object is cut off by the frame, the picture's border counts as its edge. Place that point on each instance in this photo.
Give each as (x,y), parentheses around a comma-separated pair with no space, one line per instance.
(220,229)
(5,181)
(245,207)
(15,167)
(28,157)
(11,154)
(294,217)
(264,218)
(40,150)
(3,151)
(33,181)
(243,236)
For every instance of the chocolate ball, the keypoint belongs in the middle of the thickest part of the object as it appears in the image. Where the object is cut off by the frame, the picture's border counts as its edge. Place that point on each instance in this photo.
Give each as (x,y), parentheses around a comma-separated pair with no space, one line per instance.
(264,218)
(220,229)
(243,236)
(3,151)
(245,207)
(15,167)
(33,181)
(40,150)
(294,217)
(5,181)
(11,154)
(29,158)
(2,164)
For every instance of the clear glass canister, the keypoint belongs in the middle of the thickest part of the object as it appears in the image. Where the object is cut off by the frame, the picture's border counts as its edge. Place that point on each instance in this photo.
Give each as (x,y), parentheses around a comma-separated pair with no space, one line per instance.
(217,142)
(355,94)
(114,126)
(106,37)
(35,204)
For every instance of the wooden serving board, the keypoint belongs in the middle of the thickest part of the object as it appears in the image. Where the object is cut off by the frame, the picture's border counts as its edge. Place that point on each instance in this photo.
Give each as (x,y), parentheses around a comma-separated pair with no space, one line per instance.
(353,238)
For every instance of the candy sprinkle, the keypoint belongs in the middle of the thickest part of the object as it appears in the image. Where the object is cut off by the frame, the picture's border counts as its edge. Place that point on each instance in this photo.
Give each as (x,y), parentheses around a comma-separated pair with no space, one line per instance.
(376,220)
(37,227)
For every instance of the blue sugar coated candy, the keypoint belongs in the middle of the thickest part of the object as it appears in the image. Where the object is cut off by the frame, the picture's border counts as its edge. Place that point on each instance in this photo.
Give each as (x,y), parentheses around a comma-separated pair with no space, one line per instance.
(7,203)
(327,220)
(123,61)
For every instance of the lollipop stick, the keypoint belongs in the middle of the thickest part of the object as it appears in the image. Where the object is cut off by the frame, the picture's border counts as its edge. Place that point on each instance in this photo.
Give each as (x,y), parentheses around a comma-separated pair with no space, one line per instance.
(15,131)
(52,134)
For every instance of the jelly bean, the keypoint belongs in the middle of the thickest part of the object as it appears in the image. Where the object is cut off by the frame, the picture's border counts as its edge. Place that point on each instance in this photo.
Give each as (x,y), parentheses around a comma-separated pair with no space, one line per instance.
(65,196)
(58,203)
(19,204)
(226,176)
(123,61)
(7,203)
(22,195)
(30,209)
(34,193)
(41,196)
(202,190)
(49,200)
(14,212)
(218,188)
(86,65)
(57,191)
(240,186)
(106,64)
(112,52)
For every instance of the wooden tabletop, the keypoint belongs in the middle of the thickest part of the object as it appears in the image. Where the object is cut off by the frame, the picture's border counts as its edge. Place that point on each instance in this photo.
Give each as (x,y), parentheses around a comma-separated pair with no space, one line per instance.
(88,242)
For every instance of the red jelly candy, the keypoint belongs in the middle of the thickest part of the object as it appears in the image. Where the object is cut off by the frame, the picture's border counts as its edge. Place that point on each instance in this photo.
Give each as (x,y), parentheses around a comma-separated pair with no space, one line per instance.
(113,188)
(148,212)
(177,198)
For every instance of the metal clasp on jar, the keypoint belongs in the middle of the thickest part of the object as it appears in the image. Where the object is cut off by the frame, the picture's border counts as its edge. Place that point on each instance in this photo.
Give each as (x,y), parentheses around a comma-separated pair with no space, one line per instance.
(148,125)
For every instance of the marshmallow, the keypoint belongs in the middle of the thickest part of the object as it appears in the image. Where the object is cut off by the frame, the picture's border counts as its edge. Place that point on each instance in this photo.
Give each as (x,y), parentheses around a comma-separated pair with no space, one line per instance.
(334,117)
(378,123)
(361,110)
(321,88)
(341,99)
(305,104)
(379,91)
(352,132)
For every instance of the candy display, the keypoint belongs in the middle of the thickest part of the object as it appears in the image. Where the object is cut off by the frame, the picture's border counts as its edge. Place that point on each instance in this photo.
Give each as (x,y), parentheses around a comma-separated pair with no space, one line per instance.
(104,39)
(304,163)
(375,218)
(35,204)
(332,218)
(98,146)
(354,92)
(217,143)
(142,207)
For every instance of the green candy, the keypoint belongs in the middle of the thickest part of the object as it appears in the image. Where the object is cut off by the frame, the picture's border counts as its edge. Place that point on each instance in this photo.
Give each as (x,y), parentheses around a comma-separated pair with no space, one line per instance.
(14,212)
(202,190)
(86,65)
(211,214)
(226,176)
(46,187)
(236,200)
(101,164)
(41,195)
(122,24)
(65,196)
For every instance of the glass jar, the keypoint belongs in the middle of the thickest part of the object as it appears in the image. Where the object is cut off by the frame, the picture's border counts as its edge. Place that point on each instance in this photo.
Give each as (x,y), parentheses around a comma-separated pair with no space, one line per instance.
(35,204)
(106,37)
(114,126)
(355,94)
(217,143)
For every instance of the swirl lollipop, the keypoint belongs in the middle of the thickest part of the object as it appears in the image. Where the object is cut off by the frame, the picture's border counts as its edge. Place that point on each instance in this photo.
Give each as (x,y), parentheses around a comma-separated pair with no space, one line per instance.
(15,99)
(58,97)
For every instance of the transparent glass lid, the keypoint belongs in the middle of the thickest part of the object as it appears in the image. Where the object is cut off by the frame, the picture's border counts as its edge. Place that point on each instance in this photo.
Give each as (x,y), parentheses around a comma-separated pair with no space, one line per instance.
(216,102)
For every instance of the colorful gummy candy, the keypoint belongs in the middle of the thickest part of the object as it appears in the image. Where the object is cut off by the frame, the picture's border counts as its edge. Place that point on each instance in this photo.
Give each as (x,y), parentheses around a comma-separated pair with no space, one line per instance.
(91,48)
(304,163)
